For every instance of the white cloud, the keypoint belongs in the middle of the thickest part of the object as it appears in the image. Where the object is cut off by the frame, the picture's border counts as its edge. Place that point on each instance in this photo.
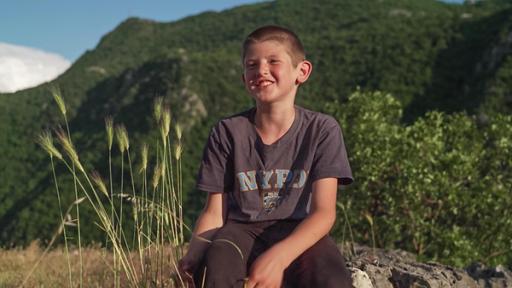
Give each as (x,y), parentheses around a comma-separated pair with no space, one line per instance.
(23,67)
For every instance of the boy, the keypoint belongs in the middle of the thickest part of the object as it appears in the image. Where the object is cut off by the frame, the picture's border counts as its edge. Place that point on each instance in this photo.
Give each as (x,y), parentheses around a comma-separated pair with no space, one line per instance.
(271,174)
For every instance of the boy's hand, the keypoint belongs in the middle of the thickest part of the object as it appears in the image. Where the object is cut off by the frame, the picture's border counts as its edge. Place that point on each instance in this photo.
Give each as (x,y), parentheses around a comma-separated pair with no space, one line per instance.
(267,270)
(186,270)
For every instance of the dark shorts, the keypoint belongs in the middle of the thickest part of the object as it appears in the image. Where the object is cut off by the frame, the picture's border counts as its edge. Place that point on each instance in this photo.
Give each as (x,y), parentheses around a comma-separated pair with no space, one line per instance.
(237,244)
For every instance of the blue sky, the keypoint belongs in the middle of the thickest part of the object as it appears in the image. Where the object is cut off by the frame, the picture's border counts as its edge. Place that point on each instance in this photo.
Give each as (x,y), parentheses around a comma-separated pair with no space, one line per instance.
(68,28)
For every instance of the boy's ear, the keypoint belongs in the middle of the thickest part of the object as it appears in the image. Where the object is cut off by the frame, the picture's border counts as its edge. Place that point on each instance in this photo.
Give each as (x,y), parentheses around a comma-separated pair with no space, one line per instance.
(243,78)
(305,69)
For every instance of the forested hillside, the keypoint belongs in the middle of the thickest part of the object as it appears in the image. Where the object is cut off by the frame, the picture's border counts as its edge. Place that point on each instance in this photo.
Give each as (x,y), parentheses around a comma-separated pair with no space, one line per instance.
(429,55)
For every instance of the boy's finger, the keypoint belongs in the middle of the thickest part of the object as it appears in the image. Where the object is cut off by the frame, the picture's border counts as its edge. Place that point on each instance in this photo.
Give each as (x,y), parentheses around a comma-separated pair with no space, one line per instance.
(248,283)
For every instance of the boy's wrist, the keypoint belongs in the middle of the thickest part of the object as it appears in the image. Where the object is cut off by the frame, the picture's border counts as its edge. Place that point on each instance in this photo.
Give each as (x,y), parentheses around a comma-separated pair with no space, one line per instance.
(281,250)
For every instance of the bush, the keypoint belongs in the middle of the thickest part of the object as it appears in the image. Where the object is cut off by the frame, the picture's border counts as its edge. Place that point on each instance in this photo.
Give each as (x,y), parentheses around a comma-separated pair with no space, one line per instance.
(439,187)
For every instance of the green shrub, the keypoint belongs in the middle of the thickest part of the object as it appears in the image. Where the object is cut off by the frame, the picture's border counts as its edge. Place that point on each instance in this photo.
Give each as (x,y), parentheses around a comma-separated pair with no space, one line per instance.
(439,187)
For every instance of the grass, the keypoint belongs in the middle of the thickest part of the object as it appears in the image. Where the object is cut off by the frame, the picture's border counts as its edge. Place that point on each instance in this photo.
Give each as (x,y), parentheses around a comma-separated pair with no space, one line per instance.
(148,256)
(52,271)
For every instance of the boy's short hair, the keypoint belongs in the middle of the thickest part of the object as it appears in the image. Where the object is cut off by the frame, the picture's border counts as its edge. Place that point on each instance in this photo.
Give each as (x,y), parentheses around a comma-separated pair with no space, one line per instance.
(276,33)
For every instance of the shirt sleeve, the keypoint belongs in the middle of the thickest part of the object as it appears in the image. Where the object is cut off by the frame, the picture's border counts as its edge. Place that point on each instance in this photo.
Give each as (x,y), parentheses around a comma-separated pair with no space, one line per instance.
(213,174)
(330,159)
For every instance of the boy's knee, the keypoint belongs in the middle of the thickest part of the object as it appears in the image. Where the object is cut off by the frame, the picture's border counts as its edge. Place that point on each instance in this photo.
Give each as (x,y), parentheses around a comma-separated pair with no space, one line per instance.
(224,252)
(223,266)
(322,265)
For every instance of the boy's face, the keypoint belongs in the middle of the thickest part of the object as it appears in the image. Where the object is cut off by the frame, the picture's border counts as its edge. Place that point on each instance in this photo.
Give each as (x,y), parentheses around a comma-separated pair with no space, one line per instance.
(269,74)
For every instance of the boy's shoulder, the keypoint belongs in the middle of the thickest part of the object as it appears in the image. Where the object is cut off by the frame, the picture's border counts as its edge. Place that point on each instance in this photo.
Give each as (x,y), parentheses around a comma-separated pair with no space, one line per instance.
(240,120)
(233,126)
(316,118)
(242,116)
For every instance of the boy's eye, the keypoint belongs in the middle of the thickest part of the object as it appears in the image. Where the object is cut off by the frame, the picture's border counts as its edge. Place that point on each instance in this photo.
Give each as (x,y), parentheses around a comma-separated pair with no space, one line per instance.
(274,61)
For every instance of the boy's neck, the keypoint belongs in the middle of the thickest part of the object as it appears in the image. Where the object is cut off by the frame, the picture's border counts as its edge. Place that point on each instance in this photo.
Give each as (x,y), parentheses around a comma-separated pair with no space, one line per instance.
(273,121)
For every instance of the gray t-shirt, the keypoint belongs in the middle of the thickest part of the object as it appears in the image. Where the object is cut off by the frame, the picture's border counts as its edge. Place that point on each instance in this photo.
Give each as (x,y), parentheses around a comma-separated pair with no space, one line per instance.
(272,182)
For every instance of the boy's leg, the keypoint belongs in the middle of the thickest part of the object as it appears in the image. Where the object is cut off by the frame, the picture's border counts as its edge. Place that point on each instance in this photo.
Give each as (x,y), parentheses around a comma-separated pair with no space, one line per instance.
(224,264)
(322,265)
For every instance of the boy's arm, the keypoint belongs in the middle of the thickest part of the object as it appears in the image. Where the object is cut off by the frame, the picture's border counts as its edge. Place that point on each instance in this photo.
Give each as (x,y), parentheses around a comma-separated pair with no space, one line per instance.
(268,268)
(210,220)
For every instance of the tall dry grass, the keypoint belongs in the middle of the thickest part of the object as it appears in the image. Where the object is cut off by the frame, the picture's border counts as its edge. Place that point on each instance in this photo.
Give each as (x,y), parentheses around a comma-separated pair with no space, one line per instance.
(148,256)
(52,271)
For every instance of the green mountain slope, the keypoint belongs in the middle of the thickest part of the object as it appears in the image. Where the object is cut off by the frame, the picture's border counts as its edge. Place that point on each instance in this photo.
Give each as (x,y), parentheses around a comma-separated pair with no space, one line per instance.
(428,54)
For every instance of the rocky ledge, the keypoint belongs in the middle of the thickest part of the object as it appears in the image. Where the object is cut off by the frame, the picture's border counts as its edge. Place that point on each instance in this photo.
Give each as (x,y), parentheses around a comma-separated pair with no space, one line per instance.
(396,269)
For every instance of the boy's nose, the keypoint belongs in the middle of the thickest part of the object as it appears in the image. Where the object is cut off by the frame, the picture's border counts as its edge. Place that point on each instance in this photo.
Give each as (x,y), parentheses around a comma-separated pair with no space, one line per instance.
(263,68)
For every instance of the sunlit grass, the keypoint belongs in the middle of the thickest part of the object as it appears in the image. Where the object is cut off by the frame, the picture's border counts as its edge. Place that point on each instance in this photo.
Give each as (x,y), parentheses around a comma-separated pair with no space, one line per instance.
(148,256)
(52,271)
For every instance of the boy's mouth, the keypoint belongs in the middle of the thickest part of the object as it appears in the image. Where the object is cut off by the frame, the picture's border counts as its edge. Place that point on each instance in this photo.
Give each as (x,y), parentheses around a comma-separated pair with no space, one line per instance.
(262,83)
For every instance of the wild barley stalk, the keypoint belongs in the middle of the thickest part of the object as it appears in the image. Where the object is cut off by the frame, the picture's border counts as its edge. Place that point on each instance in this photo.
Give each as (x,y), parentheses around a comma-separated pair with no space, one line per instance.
(177,153)
(46,141)
(171,192)
(162,219)
(146,207)
(160,174)
(121,144)
(57,96)
(140,227)
(157,174)
(66,248)
(171,203)
(180,193)
(109,128)
(125,139)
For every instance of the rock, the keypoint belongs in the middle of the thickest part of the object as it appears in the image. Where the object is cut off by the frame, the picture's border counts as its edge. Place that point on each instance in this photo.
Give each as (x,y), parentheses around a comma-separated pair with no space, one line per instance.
(379,268)
(498,277)
(360,279)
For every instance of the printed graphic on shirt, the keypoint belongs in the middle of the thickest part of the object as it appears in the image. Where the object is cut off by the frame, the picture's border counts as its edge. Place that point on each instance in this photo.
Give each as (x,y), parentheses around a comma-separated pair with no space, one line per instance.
(271,184)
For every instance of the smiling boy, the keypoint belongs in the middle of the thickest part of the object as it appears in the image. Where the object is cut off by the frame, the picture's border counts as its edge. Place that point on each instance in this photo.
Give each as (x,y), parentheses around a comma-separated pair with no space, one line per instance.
(271,174)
